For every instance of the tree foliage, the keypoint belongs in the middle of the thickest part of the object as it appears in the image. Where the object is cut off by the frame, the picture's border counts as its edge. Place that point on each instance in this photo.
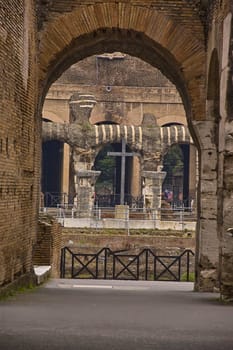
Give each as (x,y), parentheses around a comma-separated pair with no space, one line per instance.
(173,163)
(106,164)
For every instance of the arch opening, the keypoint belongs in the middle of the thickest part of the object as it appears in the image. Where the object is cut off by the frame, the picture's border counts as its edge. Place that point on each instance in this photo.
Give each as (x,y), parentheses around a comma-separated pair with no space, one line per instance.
(113,40)
(135,45)
(106,114)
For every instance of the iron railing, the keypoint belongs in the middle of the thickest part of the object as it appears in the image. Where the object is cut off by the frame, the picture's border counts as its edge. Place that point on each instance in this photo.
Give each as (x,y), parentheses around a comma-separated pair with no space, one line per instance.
(97,213)
(108,264)
(53,199)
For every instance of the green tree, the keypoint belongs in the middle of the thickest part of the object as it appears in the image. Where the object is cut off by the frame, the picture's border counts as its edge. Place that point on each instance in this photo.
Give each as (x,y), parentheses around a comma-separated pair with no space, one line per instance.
(173,163)
(106,164)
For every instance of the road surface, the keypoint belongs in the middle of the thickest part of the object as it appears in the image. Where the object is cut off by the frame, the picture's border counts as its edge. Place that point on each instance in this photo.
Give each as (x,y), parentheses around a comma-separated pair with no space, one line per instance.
(115,315)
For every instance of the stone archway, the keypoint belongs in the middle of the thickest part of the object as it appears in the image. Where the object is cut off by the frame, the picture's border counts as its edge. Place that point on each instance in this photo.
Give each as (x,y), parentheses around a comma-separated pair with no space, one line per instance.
(148,33)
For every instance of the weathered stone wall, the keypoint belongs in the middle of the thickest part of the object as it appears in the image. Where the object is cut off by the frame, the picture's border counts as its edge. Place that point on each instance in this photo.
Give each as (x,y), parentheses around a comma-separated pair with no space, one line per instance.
(19,148)
(215,184)
(225,157)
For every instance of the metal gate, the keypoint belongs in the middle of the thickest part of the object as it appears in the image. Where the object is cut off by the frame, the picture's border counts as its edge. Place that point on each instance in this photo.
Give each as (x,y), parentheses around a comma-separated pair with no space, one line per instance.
(108,264)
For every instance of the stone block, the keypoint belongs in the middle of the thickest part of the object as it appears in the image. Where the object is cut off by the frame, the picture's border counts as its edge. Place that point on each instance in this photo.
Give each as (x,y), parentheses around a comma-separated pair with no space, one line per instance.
(208,281)
(208,207)
(121,212)
(208,164)
(205,132)
(208,188)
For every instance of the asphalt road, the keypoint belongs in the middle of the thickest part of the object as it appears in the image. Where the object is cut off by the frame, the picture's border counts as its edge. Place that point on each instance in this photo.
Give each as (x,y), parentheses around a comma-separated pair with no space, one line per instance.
(101,315)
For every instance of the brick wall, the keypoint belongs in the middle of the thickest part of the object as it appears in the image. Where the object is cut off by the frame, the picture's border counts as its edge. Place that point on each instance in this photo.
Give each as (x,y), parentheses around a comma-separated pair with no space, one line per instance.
(47,250)
(19,151)
(89,240)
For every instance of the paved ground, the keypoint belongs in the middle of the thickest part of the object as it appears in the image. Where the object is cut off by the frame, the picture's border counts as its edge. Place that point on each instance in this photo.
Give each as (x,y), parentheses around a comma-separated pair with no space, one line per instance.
(117,315)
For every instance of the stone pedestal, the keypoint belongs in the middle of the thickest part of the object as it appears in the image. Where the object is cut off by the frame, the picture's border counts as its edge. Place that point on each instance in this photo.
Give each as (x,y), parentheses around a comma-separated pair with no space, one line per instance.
(121,212)
(152,190)
(85,191)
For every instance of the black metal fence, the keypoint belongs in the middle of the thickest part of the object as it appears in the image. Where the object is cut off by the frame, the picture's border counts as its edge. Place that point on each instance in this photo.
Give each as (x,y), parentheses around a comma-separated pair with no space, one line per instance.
(53,199)
(108,264)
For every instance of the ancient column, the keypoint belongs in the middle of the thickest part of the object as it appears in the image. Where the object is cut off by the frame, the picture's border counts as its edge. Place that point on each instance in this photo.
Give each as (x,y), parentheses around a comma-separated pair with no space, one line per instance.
(152,191)
(85,191)
(82,156)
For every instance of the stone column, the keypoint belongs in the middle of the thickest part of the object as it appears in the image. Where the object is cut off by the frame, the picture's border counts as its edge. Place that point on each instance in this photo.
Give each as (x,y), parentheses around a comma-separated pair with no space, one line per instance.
(135,181)
(85,191)
(152,190)
(207,244)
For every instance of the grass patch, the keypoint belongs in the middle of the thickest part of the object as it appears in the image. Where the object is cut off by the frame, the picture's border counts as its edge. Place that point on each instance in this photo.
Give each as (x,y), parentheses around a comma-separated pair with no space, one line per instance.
(11,293)
(191,277)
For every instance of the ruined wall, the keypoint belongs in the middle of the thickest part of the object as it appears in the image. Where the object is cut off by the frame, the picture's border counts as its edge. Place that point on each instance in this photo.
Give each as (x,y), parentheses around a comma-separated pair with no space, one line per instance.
(225,157)
(18,141)
(47,250)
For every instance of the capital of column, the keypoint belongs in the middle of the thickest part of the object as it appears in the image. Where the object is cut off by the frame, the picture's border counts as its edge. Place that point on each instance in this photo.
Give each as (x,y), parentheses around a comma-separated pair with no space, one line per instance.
(81,106)
(155,176)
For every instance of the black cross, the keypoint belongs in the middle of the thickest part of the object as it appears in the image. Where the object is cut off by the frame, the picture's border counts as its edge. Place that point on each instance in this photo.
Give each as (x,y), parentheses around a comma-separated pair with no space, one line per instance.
(122,154)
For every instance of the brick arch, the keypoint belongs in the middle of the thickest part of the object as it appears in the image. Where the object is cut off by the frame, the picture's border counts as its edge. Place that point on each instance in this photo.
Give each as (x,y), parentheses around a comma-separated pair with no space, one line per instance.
(147,33)
(172,119)
(52,116)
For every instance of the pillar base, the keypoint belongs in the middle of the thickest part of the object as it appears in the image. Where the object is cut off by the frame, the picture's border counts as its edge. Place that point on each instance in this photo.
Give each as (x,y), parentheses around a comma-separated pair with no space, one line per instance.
(152,190)
(121,212)
(85,191)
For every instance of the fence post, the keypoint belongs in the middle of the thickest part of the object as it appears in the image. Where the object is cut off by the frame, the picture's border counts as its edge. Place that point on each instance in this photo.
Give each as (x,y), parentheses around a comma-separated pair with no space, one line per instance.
(179,271)
(105,263)
(63,263)
(72,266)
(97,266)
(146,275)
(188,261)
